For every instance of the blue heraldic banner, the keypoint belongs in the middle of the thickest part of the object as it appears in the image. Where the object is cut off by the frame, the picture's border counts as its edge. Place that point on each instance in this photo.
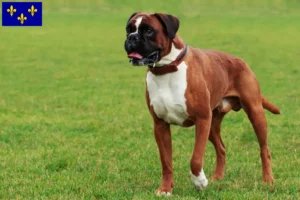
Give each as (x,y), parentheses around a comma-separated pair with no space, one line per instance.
(22,14)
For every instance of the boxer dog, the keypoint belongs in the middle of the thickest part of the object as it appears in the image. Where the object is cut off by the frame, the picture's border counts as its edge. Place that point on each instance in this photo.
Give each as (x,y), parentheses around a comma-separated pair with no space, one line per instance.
(188,86)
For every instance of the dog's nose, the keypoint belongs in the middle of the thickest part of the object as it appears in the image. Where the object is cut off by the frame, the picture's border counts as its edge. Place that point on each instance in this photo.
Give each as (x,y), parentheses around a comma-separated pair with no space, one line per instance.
(134,37)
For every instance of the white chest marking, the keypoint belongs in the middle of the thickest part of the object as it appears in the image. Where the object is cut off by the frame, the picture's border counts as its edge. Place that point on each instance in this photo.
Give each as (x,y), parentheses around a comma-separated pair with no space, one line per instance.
(166,93)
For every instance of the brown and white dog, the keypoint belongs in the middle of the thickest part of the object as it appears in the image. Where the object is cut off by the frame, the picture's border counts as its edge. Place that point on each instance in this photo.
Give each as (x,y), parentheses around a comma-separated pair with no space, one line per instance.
(187,86)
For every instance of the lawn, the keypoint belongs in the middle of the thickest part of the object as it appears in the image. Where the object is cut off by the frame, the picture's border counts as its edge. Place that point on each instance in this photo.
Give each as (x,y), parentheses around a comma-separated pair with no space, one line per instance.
(73,118)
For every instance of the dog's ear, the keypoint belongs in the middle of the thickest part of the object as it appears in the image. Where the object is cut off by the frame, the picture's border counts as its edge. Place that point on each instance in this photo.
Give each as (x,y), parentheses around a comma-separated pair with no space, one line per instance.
(134,14)
(169,22)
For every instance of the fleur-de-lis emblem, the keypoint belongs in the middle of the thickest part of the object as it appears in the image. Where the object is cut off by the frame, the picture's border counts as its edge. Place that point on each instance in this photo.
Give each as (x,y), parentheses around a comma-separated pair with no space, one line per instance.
(11,10)
(32,10)
(22,18)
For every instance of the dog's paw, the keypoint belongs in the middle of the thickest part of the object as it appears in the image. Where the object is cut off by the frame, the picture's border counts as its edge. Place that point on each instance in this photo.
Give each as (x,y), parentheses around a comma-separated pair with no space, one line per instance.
(163,191)
(200,181)
(216,177)
(268,179)
(160,193)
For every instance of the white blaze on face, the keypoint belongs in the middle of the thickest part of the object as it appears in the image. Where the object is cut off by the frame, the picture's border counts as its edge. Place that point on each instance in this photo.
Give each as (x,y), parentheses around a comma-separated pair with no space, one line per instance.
(137,24)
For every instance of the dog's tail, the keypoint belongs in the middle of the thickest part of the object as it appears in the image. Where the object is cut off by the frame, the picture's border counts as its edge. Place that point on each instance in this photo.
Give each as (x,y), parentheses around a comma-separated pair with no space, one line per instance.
(269,106)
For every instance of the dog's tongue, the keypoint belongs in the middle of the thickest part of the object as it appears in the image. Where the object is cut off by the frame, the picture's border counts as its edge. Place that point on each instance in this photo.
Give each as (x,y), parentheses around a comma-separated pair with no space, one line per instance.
(135,55)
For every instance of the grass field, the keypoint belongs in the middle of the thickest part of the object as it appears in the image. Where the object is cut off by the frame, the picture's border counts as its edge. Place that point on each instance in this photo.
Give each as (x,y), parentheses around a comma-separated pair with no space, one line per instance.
(73,118)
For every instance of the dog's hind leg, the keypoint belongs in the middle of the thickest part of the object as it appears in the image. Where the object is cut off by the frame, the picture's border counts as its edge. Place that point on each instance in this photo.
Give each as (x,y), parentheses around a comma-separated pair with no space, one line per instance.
(215,138)
(257,117)
(251,102)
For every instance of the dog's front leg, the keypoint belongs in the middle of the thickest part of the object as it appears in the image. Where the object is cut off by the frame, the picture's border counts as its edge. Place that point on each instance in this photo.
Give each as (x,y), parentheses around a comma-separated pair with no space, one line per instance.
(202,133)
(164,142)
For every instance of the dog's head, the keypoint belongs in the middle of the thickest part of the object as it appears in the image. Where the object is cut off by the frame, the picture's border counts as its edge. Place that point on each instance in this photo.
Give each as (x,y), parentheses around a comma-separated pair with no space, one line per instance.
(149,37)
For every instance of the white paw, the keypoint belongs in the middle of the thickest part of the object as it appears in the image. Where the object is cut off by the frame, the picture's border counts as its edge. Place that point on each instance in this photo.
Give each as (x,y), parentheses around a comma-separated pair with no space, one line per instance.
(160,193)
(199,181)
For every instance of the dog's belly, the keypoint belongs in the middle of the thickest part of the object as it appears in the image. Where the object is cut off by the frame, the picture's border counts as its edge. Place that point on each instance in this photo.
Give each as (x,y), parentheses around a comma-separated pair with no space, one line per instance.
(166,93)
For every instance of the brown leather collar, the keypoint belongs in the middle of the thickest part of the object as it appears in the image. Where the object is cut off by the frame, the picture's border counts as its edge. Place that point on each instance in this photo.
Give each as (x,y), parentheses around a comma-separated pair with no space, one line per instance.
(172,67)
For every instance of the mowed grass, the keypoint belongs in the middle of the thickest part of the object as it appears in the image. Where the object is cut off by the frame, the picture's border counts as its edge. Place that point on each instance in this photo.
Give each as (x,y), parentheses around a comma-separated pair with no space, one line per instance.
(73,118)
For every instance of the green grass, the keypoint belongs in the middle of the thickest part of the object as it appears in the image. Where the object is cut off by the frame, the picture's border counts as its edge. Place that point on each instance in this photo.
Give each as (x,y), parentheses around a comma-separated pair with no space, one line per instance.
(73,118)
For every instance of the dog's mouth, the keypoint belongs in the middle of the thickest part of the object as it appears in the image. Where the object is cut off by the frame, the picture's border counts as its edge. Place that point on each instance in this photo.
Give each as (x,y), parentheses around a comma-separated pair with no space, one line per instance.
(139,60)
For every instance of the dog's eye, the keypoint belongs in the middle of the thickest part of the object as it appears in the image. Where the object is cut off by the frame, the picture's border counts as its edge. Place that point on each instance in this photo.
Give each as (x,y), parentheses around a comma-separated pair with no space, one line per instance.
(149,31)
